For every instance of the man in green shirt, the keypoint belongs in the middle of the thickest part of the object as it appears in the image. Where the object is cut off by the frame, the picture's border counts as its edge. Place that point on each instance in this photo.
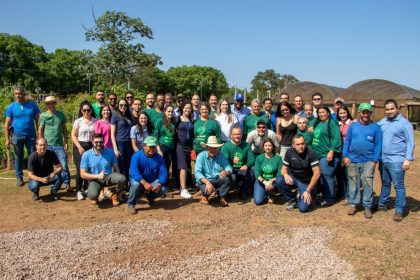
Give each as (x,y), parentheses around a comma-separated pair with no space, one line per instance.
(154,114)
(251,120)
(240,156)
(52,126)
(100,102)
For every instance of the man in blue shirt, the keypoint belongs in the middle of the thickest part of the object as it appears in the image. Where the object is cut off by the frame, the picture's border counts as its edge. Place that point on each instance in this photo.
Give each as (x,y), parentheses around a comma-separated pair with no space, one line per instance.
(239,109)
(21,117)
(213,172)
(361,152)
(148,174)
(397,154)
(99,166)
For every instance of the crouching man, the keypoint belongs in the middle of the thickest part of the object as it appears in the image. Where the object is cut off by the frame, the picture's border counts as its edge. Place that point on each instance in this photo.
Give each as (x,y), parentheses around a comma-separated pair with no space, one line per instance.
(148,174)
(99,166)
(44,169)
(213,172)
(300,170)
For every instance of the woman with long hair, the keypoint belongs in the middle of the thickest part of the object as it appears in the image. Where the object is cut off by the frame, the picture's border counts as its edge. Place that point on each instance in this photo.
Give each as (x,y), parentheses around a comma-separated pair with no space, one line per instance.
(81,135)
(286,126)
(165,135)
(344,120)
(120,136)
(140,131)
(205,127)
(327,146)
(225,118)
(184,143)
(103,125)
(267,168)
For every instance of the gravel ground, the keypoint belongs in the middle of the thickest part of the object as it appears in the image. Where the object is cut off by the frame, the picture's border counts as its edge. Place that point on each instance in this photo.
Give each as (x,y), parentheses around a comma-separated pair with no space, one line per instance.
(84,253)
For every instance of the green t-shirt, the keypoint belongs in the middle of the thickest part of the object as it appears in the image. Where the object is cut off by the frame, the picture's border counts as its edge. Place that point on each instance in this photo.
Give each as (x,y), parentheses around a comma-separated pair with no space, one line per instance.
(163,135)
(250,122)
(242,151)
(311,122)
(53,127)
(153,116)
(202,131)
(307,136)
(96,110)
(326,139)
(268,168)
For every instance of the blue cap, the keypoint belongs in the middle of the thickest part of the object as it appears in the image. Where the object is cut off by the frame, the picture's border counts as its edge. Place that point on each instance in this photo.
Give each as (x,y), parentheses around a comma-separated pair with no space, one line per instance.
(239,96)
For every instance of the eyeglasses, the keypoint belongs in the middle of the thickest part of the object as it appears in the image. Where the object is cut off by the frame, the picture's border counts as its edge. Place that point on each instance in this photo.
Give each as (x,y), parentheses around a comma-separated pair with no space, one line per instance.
(98,142)
(129,97)
(123,105)
(261,127)
(316,99)
(112,98)
(86,110)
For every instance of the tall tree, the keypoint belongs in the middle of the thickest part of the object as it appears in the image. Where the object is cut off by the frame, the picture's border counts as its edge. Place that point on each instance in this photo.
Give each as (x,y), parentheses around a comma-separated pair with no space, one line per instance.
(150,79)
(202,80)
(120,52)
(270,80)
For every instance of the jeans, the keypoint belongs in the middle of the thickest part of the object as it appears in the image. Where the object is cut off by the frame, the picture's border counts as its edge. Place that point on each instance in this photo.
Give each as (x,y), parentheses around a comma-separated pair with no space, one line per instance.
(247,178)
(126,152)
(223,185)
(327,176)
(286,190)
(55,184)
(392,172)
(361,172)
(341,175)
(136,188)
(19,142)
(115,178)
(260,192)
(62,157)
(169,156)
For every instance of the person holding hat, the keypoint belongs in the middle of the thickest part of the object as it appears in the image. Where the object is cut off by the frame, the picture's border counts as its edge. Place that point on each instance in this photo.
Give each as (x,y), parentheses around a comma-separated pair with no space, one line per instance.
(361,153)
(52,126)
(213,172)
(239,109)
(148,174)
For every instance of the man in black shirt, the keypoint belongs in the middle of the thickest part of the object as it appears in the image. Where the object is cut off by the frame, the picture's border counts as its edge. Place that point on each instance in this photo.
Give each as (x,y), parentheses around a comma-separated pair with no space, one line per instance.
(300,170)
(44,169)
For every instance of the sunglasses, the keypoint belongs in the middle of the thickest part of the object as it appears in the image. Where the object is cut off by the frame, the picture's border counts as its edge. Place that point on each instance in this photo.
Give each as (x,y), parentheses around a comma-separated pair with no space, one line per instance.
(123,105)
(129,97)
(98,142)
(86,110)
(316,99)
(261,127)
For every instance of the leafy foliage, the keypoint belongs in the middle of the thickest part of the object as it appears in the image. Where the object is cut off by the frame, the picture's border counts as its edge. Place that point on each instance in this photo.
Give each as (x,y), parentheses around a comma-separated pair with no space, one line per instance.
(269,80)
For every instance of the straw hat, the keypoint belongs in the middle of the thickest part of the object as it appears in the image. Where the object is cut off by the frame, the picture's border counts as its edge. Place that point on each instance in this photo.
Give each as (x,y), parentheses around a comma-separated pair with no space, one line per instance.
(211,142)
(50,99)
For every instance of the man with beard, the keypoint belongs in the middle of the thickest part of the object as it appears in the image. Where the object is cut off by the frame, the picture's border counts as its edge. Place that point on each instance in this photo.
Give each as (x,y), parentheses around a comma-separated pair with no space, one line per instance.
(256,138)
(251,120)
(271,115)
(153,113)
(135,112)
(112,103)
(195,101)
(100,102)
(129,97)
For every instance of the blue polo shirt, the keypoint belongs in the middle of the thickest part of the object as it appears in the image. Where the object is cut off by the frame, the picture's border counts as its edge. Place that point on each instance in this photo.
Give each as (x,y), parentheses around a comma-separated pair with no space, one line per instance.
(210,168)
(241,114)
(95,163)
(397,139)
(23,116)
(148,168)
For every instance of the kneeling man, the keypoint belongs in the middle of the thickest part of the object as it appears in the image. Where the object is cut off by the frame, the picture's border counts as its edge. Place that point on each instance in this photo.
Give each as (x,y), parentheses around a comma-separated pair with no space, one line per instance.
(148,174)
(99,166)
(213,172)
(300,170)
(41,165)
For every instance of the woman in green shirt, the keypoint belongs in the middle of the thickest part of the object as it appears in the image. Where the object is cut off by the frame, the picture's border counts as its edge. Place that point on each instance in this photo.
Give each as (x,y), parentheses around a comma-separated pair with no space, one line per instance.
(165,134)
(205,127)
(267,168)
(327,146)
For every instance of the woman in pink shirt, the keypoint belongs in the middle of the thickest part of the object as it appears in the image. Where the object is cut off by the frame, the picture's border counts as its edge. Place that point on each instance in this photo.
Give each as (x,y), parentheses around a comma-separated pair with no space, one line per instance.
(104,126)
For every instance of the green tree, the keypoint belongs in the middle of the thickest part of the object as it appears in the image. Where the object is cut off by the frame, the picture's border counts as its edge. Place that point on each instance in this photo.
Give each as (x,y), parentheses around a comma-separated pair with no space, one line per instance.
(150,79)
(20,62)
(270,80)
(197,79)
(120,52)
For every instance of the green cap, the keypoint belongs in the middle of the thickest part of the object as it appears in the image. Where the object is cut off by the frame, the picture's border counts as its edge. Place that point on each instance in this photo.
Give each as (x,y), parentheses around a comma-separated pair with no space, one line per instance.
(365,106)
(150,141)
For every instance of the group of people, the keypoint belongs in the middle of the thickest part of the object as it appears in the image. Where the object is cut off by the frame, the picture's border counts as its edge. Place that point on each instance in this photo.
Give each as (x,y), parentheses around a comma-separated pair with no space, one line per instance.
(120,147)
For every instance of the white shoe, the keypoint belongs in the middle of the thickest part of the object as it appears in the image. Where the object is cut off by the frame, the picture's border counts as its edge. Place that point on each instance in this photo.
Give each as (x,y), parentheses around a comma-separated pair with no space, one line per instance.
(80,196)
(185,194)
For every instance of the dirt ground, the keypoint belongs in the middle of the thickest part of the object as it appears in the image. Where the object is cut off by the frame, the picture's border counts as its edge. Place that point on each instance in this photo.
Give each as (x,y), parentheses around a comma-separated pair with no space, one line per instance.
(377,249)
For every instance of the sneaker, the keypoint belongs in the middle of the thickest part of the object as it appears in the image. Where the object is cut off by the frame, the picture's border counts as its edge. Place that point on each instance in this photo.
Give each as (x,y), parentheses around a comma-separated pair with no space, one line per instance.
(80,195)
(271,200)
(115,200)
(68,188)
(185,194)
(108,194)
(35,196)
(204,200)
(368,213)
(352,210)
(382,208)
(345,202)
(291,205)
(223,202)
(150,201)
(131,209)
(101,196)
(325,203)
(19,182)
(398,217)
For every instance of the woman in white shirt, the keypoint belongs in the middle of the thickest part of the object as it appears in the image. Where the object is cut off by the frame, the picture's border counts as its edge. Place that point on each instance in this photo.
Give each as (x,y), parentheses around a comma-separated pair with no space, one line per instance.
(225,118)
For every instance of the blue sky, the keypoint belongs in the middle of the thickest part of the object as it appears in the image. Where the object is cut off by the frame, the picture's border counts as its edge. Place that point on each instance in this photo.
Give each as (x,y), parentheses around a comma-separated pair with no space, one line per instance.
(332,42)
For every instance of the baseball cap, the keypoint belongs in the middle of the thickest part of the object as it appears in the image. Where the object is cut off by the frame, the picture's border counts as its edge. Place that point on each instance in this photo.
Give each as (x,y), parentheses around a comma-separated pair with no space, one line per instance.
(339,99)
(365,106)
(150,141)
(239,96)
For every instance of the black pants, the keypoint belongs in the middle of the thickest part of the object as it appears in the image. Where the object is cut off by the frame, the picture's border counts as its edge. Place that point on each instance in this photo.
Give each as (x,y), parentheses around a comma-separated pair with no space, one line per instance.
(77,157)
